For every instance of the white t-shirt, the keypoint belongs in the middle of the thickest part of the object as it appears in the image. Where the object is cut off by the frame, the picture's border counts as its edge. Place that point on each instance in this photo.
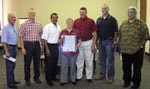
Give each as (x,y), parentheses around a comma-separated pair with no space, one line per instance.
(51,33)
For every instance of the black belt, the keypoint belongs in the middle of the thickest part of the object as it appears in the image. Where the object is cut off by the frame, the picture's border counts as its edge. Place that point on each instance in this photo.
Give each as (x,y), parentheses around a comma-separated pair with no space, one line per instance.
(31,42)
(106,38)
(12,45)
(52,43)
(86,39)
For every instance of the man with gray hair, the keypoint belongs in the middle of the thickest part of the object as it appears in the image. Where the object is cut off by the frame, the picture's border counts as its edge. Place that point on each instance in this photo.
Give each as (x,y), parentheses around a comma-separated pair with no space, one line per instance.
(107,28)
(30,37)
(9,40)
(133,34)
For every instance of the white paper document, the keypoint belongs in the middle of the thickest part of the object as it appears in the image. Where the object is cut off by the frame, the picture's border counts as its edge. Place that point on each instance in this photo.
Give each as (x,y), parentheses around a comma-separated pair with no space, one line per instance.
(69,43)
(10,58)
(120,57)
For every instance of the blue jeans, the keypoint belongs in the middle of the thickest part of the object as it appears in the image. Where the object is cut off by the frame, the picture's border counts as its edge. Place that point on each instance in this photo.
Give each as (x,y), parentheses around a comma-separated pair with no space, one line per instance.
(106,52)
(10,66)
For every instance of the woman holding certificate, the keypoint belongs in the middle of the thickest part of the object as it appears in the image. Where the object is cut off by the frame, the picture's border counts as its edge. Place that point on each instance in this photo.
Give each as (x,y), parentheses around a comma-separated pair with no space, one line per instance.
(70,40)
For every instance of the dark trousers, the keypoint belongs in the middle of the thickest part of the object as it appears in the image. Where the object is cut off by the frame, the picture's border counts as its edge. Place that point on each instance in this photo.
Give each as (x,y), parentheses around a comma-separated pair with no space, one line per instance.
(10,66)
(33,50)
(51,63)
(137,60)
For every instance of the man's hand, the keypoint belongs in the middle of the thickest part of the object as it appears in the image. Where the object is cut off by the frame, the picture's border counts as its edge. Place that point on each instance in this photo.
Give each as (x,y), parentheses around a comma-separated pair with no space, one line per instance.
(112,46)
(93,48)
(47,52)
(23,51)
(7,54)
(42,49)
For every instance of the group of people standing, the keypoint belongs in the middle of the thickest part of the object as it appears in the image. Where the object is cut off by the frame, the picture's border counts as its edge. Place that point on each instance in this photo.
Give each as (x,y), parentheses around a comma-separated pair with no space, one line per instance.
(34,39)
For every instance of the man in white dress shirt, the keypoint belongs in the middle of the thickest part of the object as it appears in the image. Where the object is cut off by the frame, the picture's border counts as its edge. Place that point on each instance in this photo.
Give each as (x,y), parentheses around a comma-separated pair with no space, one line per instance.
(50,36)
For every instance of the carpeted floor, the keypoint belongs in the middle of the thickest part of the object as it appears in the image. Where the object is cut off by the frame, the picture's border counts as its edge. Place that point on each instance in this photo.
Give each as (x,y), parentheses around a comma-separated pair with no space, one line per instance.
(19,75)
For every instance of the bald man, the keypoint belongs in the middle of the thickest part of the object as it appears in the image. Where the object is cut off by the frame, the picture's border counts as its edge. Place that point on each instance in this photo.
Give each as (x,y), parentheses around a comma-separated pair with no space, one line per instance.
(9,40)
(107,33)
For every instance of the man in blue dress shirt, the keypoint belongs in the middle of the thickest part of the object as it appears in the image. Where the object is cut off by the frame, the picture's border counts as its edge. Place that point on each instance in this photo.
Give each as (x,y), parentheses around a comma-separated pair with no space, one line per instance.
(9,40)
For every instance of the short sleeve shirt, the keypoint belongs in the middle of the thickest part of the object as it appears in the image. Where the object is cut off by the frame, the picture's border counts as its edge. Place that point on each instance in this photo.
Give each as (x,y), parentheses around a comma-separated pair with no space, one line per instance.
(9,35)
(86,26)
(106,27)
(51,33)
(31,30)
(131,36)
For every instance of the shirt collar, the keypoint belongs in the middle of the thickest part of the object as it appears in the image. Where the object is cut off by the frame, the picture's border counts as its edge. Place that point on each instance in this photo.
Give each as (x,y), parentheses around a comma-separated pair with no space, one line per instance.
(70,31)
(133,21)
(31,21)
(106,17)
(53,24)
(84,18)
(11,25)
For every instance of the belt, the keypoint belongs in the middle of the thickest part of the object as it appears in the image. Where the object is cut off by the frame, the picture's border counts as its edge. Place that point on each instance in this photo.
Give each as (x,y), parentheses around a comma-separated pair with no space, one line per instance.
(32,42)
(106,38)
(12,45)
(52,43)
(86,39)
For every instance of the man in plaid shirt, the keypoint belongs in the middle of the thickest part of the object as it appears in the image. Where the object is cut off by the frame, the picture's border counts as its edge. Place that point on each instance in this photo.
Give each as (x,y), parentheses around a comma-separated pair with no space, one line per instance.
(30,36)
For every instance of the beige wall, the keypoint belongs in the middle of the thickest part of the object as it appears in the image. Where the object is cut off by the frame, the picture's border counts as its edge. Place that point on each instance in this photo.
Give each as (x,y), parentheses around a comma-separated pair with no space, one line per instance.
(6,9)
(148,14)
(0,14)
(67,8)
(148,24)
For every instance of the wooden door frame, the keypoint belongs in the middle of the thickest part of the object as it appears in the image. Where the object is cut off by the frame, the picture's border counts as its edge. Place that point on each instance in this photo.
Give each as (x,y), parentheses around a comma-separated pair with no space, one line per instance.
(143,8)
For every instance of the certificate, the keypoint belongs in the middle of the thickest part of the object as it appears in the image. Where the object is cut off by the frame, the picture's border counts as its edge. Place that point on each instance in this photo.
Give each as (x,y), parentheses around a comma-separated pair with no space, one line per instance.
(10,58)
(69,43)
